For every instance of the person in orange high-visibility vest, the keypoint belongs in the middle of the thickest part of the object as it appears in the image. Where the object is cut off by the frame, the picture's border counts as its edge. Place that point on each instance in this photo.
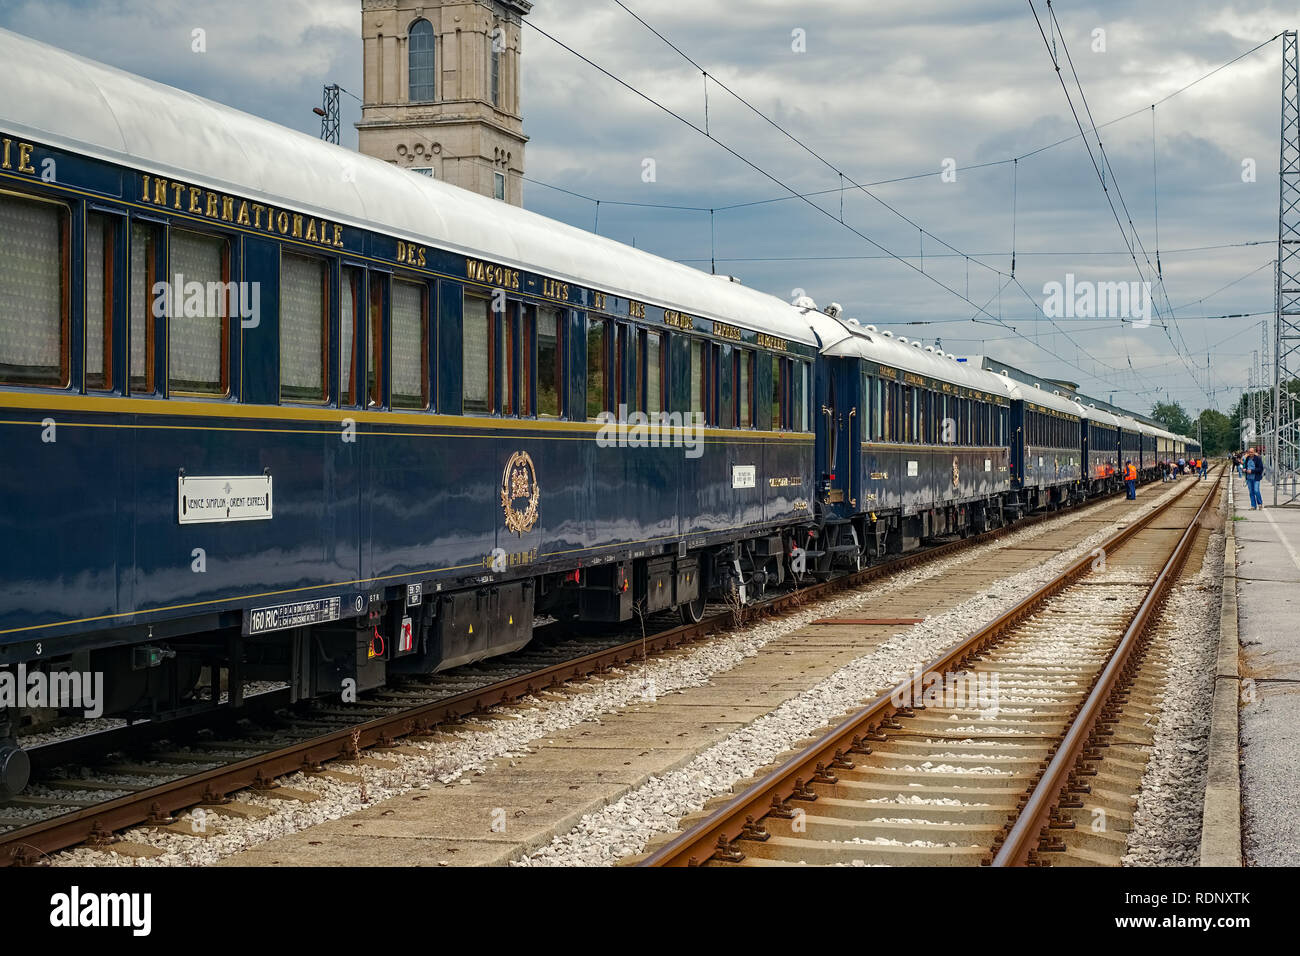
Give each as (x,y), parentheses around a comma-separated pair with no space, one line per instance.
(1130,479)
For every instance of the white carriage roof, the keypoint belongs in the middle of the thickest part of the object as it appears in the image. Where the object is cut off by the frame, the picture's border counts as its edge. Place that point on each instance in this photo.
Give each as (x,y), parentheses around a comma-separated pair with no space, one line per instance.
(842,338)
(1099,415)
(1039,396)
(71,102)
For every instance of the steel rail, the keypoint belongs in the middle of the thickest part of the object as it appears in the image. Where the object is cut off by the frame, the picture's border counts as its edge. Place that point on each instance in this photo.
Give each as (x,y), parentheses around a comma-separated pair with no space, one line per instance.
(1028,836)
(737,818)
(97,824)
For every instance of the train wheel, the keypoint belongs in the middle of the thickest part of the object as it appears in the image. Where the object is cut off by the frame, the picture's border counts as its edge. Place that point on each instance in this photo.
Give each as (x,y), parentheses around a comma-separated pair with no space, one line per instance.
(693,611)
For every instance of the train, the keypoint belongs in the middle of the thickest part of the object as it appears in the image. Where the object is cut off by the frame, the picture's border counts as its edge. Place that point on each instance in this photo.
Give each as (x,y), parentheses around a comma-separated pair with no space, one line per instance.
(273,410)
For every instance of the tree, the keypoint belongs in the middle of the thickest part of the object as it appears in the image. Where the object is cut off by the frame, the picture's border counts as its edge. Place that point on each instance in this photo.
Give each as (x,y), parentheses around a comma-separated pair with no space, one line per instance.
(1172,416)
(1218,436)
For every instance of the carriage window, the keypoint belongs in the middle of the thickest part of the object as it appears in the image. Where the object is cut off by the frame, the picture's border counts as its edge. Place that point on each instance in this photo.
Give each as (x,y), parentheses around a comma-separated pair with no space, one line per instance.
(598,390)
(350,298)
(409,371)
(726,386)
(100,235)
(506,359)
(654,372)
(33,306)
(304,340)
(527,331)
(632,340)
(873,405)
(550,368)
(778,407)
(476,356)
(908,412)
(375,354)
(744,363)
(887,405)
(142,321)
(800,397)
(197,345)
(699,364)
(619,375)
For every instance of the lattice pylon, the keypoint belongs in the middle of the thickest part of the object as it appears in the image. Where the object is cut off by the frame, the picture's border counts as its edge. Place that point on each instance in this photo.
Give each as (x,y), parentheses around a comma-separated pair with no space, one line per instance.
(1286,342)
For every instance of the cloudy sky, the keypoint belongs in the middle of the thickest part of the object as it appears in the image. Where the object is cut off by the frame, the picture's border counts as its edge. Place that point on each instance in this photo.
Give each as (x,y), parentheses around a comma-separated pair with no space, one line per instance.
(884,92)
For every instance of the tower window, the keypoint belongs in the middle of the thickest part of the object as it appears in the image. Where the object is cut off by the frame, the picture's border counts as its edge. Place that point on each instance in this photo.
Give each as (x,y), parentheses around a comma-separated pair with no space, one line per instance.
(499,185)
(421,62)
(496,42)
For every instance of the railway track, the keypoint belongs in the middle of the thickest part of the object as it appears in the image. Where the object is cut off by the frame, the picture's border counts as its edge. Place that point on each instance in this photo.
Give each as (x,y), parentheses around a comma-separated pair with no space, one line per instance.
(1023,744)
(68,805)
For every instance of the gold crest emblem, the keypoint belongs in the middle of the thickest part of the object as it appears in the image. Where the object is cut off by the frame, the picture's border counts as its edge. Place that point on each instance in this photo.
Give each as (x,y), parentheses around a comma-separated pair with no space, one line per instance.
(956,473)
(520,493)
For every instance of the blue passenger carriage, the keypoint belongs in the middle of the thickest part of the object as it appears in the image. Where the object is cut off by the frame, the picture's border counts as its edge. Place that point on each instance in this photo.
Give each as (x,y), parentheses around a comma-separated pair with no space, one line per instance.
(1046,447)
(1101,451)
(911,444)
(275,409)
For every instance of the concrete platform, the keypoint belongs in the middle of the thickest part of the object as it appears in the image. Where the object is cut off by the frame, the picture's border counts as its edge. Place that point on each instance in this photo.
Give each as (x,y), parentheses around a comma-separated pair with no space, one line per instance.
(1268,600)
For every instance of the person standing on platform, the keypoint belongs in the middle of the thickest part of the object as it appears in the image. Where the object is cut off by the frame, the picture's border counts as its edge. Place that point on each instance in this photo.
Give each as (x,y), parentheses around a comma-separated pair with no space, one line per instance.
(1130,480)
(1253,470)
(1205,468)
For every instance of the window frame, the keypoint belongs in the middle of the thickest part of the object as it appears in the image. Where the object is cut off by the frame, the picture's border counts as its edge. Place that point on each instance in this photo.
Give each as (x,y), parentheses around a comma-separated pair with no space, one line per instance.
(358,294)
(326,323)
(594,320)
(378,301)
(560,381)
(112,227)
(491,327)
(65,291)
(227,257)
(426,336)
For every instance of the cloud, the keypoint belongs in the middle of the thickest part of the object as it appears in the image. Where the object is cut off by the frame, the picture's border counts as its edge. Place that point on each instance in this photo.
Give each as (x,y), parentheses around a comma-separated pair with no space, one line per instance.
(884,90)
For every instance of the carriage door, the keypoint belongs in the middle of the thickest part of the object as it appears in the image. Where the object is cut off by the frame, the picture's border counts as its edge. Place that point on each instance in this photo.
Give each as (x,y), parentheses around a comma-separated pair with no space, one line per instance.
(838,421)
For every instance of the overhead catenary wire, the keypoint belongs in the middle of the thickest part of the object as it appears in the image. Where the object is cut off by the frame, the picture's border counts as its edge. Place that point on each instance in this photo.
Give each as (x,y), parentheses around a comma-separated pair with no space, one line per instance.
(1098,169)
(781,183)
(793,194)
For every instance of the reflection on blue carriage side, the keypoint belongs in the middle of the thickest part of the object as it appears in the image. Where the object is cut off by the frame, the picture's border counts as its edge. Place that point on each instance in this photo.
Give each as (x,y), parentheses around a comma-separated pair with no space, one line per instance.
(277,410)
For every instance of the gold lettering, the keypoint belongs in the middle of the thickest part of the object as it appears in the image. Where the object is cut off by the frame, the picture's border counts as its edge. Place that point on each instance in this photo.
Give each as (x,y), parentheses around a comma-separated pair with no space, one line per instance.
(6,164)
(338,237)
(726,331)
(25,158)
(281,222)
(160,192)
(401,251)
(258,209)
(636,309)
(144,191)
(178,190)
(195,193)
(242,218)
(213,199)
(421,257)
(297,226)
(678,320)
(227,208)
(311,230)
